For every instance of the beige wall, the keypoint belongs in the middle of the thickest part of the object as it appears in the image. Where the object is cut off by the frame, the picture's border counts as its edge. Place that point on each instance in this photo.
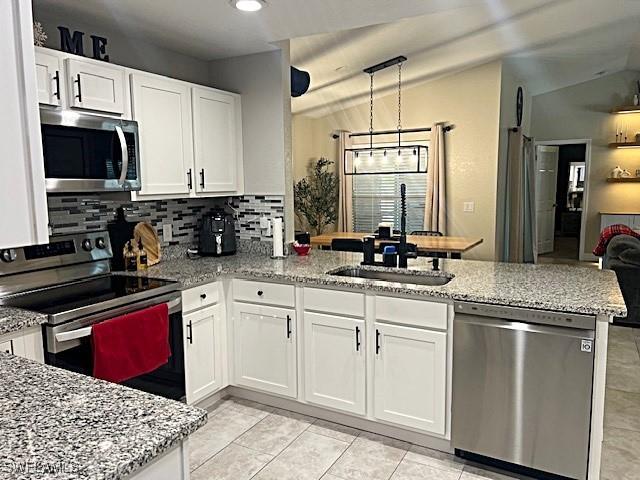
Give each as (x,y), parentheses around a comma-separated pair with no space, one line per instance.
(470,101)
(582,111)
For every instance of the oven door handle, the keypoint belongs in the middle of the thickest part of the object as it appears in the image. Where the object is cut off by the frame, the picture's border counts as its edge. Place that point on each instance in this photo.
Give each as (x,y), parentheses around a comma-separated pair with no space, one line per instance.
(125,154)
(73,334)
(86,331)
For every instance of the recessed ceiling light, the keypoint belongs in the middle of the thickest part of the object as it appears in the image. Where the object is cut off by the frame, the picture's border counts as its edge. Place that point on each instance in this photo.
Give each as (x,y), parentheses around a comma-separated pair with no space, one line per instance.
(248,5)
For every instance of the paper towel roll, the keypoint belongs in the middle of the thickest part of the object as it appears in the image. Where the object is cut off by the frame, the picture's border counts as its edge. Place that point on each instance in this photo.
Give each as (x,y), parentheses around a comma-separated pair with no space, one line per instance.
(278,244)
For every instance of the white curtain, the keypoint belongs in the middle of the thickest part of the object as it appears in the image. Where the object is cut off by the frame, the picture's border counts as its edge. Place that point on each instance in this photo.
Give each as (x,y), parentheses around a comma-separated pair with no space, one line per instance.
(345,203)
(435,215)
(520,216)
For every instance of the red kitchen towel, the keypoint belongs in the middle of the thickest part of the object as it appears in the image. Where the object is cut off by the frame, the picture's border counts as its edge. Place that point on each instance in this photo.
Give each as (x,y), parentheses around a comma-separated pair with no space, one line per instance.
(608,233)
(127,346)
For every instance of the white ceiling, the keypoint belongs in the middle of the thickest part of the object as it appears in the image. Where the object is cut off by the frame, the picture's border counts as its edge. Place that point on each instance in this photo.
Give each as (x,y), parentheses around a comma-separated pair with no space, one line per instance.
(212,29)
(550,43)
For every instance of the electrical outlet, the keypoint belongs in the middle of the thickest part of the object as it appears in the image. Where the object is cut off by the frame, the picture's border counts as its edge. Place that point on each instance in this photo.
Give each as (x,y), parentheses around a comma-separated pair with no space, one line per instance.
(167,232)
(469,207)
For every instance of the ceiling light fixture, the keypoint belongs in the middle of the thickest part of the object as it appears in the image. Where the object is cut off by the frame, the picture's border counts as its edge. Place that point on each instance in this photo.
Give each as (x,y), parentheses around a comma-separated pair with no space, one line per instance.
(248,5)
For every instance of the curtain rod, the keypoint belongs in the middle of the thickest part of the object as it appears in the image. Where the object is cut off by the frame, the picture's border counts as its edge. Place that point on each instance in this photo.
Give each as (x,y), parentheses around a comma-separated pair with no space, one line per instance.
(448,128)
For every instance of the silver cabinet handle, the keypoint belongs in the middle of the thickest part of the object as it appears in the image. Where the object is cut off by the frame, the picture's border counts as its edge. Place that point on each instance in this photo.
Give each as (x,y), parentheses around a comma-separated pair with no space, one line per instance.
(125,154)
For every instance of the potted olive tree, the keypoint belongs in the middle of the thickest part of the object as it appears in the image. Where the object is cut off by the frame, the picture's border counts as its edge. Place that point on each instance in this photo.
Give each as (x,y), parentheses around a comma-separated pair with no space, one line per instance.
(316,197)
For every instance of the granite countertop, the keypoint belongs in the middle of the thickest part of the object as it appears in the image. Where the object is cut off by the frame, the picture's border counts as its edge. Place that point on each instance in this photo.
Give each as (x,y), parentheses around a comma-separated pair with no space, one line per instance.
(80,427)
(564,288)
(16,319)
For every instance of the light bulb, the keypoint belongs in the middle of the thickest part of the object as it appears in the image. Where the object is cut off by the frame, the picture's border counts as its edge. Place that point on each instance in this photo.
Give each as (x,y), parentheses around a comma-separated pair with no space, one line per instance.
(248,5)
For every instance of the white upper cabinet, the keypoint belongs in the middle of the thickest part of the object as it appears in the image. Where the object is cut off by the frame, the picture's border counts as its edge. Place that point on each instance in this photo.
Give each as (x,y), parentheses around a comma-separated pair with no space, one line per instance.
(217,140)
(410,377)
(162,108)
(335,370)
(22,185)
(49,77)
(265,348)
(95,85)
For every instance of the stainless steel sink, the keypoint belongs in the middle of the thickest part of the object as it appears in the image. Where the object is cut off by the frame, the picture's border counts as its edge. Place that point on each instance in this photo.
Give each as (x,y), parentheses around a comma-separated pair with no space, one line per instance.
(413,277)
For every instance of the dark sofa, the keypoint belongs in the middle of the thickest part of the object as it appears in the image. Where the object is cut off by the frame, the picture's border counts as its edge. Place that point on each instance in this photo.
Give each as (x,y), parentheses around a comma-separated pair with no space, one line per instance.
(623,257)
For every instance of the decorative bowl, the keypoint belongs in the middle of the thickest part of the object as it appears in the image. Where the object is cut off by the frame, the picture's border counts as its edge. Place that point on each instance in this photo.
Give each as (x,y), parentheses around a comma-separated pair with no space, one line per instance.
(302,250)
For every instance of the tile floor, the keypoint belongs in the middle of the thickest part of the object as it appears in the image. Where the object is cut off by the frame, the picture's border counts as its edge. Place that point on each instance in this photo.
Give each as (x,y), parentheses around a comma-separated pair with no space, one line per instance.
(621,454)
(245,440)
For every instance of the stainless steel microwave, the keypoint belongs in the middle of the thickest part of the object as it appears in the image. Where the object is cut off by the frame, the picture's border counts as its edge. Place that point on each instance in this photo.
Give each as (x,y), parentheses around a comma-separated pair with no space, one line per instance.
(89,153)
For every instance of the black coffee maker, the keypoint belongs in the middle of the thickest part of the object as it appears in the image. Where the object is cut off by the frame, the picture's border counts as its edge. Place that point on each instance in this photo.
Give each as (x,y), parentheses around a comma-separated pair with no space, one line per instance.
(217,234)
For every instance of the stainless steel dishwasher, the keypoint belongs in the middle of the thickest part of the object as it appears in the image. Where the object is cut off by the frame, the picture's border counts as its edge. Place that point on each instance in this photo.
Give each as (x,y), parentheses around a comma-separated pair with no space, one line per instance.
(522,383)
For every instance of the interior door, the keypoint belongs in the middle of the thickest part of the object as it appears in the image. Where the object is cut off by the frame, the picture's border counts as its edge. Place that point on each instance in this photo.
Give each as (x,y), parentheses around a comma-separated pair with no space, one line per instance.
(265,348)
(335,362)
(203,360)
(410,377)
(162,108)
(216,131)
(546,184)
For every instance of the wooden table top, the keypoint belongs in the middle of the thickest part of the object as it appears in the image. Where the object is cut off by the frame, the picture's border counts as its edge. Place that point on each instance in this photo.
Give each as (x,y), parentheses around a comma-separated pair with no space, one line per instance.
(424,243)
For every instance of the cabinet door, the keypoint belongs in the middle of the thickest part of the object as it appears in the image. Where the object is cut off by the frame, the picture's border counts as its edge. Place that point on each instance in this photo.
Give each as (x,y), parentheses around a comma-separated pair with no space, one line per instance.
(6,347)
(335,362)
(22,186)
(96,86)
(203,347)
(162,108)
(29,345)
(216,127)
(265,348)
(410,377)
(48,78)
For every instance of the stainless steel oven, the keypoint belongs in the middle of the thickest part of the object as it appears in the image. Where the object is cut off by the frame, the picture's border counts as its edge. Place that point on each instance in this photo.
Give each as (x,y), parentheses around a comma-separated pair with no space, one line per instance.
(68,346)
(69,281)
(89,153)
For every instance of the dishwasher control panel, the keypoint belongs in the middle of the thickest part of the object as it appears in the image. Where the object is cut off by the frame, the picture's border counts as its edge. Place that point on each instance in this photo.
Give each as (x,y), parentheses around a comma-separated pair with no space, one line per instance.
(517,314)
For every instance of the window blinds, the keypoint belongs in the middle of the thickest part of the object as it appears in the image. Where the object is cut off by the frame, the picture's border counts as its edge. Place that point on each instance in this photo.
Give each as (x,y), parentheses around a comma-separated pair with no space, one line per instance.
(376,197)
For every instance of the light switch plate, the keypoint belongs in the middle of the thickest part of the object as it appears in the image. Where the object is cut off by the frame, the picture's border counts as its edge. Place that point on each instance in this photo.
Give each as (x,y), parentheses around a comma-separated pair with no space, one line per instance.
(469,207)
(167,232)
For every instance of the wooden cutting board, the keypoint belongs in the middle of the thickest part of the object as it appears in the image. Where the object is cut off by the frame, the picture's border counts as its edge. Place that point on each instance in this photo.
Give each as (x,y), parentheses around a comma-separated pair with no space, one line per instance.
(150,241)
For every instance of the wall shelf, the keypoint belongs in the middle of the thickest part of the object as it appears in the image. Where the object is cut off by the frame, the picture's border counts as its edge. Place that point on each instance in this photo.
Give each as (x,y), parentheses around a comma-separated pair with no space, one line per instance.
(624,180)
(624,145)
(626,109)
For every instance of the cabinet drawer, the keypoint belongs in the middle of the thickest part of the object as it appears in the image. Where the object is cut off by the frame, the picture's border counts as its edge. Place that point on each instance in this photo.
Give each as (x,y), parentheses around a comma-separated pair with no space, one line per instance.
(334,301)
(200,297)
(263,292)
(419,313)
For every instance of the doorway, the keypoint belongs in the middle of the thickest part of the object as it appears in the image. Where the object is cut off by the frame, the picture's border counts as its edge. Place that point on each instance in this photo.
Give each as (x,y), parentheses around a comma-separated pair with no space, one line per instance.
(562,169)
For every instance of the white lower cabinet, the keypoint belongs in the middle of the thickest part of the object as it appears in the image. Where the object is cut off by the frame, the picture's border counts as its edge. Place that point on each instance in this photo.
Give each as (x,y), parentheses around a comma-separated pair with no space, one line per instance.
(6,347)
(410,377)
(334,362)
(203,353)
(264,344)
(27,344)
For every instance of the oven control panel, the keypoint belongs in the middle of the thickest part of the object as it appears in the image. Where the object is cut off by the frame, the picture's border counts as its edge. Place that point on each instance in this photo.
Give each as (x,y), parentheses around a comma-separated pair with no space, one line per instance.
(61,250)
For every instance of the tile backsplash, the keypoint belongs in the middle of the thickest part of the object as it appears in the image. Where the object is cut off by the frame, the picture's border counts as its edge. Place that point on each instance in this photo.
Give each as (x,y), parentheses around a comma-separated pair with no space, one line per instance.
(77,213)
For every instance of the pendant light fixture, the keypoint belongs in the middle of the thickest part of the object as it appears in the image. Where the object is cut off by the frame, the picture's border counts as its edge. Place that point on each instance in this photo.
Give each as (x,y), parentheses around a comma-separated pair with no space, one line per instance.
(397,157)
